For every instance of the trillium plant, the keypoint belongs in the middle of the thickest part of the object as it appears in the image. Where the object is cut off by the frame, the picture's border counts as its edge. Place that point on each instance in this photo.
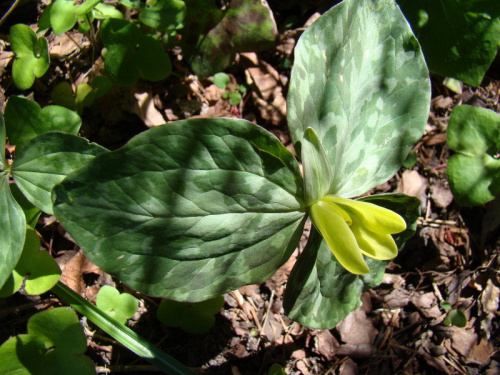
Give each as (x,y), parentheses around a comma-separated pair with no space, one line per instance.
(196,208)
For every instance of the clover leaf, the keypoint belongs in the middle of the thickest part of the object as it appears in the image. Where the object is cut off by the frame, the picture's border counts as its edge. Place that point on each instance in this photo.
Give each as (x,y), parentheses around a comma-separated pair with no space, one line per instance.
(36,267)
(194,318)
(32,55)
(25,119)
(130,54)
(474,170)
(54,344)
(121,306)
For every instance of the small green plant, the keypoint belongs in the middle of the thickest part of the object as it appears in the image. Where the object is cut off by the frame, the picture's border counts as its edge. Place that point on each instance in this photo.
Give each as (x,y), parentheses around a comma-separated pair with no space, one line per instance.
(197,317)
(454,317)
(276,369)
(32,56)
(222,81)
(120,306)
(129,54)
(469,31)
(54,344)
(474,170)
(62,15)
(36,268)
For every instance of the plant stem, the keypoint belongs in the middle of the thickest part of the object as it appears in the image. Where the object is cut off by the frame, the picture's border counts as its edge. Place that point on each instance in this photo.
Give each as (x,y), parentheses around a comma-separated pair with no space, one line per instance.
(121,333)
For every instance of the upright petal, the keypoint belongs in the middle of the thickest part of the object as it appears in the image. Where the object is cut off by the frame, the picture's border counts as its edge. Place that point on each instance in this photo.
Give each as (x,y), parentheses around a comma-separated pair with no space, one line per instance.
(338,237)
(375,218)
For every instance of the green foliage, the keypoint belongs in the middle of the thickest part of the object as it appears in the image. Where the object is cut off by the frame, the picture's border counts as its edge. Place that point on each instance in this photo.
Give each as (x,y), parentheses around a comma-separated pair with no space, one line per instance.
(62,15)
(164,15)
(212,36)
(32,56)
(222,80)
(25,119)
(229,192)
(197,318)
(54,344)
(36,268)
(46,160)
(276,369)
(82,98)
(460,38)
(130,54)
(120,306)
(232,196)
(371,92)
(12,219)
(457,318)
(474,171)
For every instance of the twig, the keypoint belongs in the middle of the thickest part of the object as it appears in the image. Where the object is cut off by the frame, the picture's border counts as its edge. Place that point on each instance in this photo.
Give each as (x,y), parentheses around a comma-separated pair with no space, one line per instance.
(9,11)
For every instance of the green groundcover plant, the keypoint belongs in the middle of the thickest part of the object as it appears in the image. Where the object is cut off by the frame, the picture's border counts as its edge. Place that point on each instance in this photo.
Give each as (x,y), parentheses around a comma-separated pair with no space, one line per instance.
(196,208)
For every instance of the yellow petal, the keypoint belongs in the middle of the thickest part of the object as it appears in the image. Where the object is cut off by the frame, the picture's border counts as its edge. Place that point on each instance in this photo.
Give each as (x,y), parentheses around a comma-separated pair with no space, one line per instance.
(338,237)
(377,219)
(379,246)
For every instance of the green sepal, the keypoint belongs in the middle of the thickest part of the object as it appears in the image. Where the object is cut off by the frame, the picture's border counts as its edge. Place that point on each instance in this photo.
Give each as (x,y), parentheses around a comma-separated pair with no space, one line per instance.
(317,171)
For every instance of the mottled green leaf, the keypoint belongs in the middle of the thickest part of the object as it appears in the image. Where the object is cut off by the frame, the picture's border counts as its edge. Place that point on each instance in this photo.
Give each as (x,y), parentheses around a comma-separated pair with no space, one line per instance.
(469,35)
(32,55)
(188,210)
(31,212)
(46,160)
(25,119)
(194,318)
(12,219)
(212,36)
(360,81)
(320,292)
(130,54)
(474,171)
(120,306)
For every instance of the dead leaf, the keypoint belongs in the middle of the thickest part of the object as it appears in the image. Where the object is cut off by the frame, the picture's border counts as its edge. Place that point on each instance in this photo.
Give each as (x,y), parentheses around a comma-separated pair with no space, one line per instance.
(427,303)
(357,329)
(326,345)
(441,194)
(73,271)
(349,367)
(145,108)
(413,184)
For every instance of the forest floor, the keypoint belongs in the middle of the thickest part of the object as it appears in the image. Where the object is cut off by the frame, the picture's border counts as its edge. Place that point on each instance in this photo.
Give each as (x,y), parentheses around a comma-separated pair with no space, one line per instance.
(400,327)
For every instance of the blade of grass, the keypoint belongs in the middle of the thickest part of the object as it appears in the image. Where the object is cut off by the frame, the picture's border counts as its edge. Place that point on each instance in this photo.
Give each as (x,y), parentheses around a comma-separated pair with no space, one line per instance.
(121,333)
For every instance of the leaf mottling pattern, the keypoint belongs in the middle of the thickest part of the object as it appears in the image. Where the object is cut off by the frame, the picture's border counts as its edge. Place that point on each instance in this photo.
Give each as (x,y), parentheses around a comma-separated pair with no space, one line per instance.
(188,210)
(361,82)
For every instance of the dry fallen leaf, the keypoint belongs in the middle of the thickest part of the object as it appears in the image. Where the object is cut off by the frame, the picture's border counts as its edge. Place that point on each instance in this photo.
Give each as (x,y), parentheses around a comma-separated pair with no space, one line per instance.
(357,329)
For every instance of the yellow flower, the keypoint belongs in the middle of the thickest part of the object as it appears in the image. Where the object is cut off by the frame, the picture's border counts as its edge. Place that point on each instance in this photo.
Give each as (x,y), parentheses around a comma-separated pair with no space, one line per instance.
(353,228)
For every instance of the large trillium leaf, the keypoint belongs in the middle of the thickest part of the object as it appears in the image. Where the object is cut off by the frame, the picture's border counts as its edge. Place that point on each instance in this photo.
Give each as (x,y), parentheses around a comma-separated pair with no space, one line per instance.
(474,171)
(320,291)
(46,161)
(187,210)
(360,81)
(469,35)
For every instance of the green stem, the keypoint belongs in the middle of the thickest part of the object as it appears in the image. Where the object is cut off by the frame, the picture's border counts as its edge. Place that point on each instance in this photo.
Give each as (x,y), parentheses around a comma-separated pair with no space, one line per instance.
(121,333)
